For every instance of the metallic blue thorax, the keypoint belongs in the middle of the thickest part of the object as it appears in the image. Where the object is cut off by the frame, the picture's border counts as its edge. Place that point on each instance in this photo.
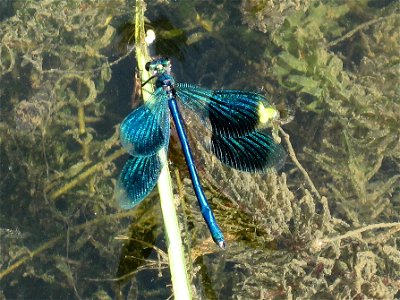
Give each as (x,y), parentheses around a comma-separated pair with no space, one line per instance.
(165,80)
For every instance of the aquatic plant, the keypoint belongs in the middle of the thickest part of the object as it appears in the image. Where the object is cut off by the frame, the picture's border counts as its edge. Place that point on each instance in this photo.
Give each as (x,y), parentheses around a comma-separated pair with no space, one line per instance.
(326,230)
(359,105)
(56,159)
(338,62)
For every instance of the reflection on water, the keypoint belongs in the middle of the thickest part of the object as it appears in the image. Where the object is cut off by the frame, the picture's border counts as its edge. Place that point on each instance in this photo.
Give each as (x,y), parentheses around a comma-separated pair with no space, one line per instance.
(64,89)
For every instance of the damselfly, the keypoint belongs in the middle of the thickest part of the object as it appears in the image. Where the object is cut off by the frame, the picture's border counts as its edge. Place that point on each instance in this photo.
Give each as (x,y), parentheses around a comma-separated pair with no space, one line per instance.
(237,120)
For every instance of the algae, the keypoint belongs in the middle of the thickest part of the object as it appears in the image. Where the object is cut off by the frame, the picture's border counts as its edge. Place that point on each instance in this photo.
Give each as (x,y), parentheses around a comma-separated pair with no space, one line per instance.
(57,163)
(327,228)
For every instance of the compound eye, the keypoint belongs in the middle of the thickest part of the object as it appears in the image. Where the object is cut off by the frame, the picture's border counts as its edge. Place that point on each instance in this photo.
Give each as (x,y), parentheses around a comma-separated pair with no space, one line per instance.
(147,67)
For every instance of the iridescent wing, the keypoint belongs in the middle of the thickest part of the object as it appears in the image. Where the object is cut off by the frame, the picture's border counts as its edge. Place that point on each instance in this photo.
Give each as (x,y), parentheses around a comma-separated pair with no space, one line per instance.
(230,112)
(137,179)
(143,133)
(238,122)
(254,152)
(146,129)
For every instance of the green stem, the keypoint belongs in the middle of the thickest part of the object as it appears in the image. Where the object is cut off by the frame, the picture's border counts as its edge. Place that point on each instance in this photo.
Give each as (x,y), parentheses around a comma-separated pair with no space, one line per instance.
(176,255)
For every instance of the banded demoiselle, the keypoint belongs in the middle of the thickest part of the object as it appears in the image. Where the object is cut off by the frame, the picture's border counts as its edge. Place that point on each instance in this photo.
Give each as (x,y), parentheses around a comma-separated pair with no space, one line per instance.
(237,120)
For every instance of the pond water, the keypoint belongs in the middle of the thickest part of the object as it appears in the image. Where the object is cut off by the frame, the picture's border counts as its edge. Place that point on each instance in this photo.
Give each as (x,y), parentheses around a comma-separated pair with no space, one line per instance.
(324,226)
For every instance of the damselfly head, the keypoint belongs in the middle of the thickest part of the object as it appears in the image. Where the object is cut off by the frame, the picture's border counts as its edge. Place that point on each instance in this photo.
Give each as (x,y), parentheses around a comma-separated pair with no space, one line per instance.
(159,66)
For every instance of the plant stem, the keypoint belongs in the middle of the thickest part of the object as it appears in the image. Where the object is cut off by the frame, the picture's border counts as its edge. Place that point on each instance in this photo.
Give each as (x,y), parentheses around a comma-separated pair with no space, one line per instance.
(176,255)
(358,28)
(319,244)
(292,155)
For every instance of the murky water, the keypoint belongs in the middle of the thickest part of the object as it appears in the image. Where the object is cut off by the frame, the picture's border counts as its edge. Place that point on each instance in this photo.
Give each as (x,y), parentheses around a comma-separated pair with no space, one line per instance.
(325,229)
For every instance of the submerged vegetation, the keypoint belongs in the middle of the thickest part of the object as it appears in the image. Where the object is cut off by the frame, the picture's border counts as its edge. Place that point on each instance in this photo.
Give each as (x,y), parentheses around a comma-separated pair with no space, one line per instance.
(335,65)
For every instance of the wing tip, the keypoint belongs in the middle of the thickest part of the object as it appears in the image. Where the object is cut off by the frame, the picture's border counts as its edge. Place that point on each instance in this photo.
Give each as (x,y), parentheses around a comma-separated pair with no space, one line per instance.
(279,157)
(256,152)
(121,195)
(138,178)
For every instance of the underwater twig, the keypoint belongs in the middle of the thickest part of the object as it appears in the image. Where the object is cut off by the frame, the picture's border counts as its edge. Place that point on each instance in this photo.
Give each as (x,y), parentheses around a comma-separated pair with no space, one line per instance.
(106,65)
(159,251)
(81,119)
(82,131)
(383,237)
(151,265)
(55,240)
(292,155)
(318,244)
(358,28)
(37,251)
(45,154)
(82,176)
(82,125)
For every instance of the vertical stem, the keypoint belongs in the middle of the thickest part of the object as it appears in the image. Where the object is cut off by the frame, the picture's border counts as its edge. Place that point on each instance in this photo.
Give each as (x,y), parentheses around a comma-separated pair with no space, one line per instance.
(81,119)
(82,130)
(176,255)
